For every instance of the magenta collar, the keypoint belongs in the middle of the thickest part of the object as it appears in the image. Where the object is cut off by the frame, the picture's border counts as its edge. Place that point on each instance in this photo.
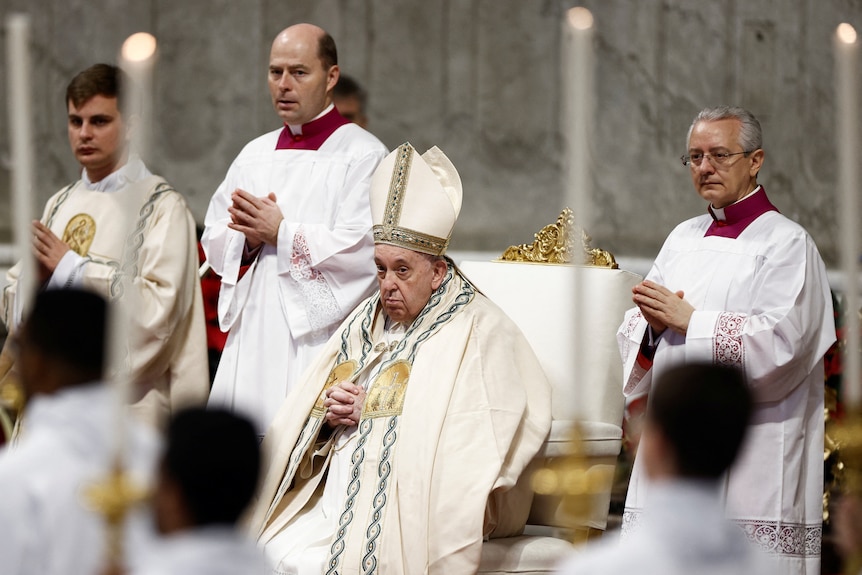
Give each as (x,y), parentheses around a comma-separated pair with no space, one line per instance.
(314,133)
(738,216)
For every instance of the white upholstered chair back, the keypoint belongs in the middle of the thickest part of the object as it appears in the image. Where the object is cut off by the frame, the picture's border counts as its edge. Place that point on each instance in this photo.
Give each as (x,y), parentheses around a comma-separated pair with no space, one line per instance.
(540,299)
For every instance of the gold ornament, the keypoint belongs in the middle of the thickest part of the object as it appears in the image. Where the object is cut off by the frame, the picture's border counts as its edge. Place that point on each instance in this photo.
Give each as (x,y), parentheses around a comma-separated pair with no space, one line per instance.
(555,244)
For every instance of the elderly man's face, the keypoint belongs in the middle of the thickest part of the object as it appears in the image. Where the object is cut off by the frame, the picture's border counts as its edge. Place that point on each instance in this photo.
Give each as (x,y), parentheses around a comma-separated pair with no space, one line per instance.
(298,82)
(722,185)
(407,279)
(98,136)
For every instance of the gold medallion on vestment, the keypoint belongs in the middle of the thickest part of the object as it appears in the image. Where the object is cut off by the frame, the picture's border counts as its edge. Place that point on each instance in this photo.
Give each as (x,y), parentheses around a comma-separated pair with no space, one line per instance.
(79,234)
(341,372)
(386,395)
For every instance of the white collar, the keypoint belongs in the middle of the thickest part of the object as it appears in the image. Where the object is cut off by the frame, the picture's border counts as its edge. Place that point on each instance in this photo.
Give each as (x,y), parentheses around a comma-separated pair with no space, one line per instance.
(132,171)
(718,213)
(296,129)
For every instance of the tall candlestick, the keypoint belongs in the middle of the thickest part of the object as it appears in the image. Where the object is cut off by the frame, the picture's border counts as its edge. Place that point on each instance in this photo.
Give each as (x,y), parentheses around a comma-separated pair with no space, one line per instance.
(578,90)
(136,60)
(21,139)
(846,92)
(119,370)
(578,106)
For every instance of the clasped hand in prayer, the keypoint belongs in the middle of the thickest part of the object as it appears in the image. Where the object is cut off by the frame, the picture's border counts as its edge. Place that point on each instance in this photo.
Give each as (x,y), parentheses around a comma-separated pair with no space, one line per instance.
(662,308)
(257,218)
(343,404)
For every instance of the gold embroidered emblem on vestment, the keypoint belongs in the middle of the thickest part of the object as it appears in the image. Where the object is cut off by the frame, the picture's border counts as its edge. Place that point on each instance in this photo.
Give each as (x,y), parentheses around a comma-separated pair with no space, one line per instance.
(79,234)
(342,372)
(386,395)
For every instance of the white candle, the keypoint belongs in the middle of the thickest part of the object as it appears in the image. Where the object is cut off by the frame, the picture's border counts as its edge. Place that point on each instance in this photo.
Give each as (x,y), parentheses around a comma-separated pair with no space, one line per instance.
(117,343)
(847,117)
(136,60)
(578,109)
(578,93)
(21,140)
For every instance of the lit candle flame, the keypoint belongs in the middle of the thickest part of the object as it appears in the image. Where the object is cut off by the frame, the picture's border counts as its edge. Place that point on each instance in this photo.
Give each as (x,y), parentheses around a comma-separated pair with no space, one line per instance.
(139,47)
(580,18)
(846,33)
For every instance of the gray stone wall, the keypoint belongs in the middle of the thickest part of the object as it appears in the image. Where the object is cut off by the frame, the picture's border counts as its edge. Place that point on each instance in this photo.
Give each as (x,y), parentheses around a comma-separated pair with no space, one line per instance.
(482,80)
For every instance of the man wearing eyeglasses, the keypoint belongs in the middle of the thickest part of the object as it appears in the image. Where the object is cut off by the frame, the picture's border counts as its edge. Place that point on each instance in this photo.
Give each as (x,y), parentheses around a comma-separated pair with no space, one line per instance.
(743,286)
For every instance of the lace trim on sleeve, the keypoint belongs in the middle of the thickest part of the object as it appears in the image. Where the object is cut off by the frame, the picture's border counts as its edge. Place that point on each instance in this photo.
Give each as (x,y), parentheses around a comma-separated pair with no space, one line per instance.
(628,331)
(728,348)
(642,365)
(322,308)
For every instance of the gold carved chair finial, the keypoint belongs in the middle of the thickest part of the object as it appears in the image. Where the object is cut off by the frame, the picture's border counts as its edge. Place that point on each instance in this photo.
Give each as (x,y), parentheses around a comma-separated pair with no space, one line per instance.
(556,244)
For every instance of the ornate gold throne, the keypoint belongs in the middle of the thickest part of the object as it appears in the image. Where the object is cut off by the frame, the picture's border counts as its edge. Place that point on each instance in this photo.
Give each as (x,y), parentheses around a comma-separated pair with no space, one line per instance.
(536,285)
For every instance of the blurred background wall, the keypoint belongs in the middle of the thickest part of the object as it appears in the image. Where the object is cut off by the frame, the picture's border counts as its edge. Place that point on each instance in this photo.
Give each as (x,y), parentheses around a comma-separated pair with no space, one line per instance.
(481,79)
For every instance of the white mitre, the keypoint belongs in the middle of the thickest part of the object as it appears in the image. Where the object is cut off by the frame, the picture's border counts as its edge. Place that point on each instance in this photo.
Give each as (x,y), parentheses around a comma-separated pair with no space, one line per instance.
(415,200)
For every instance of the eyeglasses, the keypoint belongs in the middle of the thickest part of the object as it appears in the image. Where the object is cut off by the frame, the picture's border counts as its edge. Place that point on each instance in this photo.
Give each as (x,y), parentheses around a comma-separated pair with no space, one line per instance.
(717,159)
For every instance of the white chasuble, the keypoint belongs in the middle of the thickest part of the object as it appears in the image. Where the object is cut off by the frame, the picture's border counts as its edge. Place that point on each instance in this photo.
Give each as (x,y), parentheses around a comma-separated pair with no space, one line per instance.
(762,303)
(453,414)
(280,312)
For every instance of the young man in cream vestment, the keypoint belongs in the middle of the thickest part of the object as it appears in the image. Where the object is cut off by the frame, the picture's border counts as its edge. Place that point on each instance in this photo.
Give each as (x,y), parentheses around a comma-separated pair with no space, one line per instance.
(743,286)
(289,231)
(117,206)
(400,450)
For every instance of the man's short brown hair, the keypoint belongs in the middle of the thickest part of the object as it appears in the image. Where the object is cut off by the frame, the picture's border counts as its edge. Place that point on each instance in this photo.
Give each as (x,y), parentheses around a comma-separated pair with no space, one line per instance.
(327,52)
(97,80)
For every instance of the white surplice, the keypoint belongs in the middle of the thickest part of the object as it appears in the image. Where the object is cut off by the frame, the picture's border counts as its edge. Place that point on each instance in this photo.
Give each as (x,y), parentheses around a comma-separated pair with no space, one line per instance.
(684,532)
(66,447)
(762,303)
(294,295)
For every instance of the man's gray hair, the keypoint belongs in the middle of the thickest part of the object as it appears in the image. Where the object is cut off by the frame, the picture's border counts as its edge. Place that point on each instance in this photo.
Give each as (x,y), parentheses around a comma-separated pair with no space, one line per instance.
(750,134)
(431,257)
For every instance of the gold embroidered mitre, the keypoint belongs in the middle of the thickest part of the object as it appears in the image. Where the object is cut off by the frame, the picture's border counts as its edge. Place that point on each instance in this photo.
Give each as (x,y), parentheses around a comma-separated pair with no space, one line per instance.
(415,200)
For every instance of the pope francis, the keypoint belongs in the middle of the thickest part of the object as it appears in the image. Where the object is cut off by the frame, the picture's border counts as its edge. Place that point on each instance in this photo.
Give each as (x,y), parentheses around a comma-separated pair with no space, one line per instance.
(400,450)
